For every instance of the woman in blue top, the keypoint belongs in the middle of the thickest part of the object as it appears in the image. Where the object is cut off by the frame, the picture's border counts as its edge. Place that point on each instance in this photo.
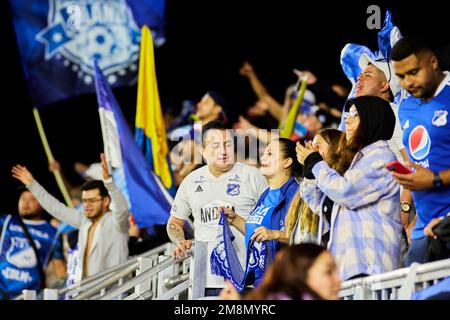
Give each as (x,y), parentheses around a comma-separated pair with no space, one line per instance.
(265,224)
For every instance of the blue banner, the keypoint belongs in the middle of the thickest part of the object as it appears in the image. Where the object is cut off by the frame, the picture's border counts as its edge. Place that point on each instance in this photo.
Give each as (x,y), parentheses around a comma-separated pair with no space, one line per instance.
(58,40)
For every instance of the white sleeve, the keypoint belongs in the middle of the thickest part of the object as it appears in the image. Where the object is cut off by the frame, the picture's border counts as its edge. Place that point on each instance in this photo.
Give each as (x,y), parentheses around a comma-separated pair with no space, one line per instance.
(120,210)
(54,207)
(181,208)
(397,137)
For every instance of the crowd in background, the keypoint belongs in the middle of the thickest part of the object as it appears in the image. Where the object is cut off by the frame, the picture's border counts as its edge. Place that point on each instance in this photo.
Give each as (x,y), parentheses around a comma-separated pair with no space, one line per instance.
(305,212)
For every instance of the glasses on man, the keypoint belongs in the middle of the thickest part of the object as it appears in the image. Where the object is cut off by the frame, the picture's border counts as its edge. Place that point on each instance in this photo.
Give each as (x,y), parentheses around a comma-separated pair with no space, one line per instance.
(91,200)
(351,114)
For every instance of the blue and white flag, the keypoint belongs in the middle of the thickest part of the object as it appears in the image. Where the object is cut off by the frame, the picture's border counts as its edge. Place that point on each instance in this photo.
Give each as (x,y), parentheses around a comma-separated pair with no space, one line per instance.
(58,40)
(387,37)
(225,262)
(148,199)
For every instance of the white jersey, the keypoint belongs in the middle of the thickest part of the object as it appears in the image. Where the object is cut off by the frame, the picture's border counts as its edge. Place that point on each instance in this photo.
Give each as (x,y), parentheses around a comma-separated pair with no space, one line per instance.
(201,194)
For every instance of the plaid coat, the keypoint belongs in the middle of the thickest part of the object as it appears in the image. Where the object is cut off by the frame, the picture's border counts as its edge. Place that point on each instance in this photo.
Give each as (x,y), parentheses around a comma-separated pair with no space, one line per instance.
(365,222)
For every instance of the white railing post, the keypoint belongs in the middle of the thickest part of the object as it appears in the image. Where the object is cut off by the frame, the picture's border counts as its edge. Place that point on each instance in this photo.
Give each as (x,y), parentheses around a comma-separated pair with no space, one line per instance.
(29,294)
(162,276)
(50,294)
(144,264)
(408,286)
(198,271)
(362,291)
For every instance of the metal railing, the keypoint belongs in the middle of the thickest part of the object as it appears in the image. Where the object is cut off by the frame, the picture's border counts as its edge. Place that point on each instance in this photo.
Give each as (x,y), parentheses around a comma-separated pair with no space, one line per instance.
(130,265)
(396,285)
(153,275)
(152,256)
(168,279)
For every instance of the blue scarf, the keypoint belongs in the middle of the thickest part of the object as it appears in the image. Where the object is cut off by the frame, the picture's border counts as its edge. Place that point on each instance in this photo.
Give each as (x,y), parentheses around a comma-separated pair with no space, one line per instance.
(225,262)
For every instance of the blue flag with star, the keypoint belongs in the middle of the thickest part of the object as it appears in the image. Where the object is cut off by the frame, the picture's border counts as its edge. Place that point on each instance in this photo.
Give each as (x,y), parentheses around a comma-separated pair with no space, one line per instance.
(59,39)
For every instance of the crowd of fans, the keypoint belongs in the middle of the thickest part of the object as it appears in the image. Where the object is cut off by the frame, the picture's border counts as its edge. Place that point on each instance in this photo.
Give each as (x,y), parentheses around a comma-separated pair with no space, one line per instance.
(284,217)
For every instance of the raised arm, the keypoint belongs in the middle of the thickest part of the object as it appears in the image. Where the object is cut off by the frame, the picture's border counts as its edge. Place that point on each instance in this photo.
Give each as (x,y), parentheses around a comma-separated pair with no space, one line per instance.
(360,186)
(274,107)
(249,129)
(52,205)
(120,213)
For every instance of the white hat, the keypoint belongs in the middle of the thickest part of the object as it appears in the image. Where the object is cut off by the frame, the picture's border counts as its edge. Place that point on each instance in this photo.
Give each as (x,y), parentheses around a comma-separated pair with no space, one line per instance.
(384,66)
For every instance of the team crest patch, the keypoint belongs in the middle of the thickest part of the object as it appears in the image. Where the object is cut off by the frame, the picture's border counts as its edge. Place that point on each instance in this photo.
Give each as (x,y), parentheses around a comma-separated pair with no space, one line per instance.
(440,118)
(80,31)
(233,189)
(21,254)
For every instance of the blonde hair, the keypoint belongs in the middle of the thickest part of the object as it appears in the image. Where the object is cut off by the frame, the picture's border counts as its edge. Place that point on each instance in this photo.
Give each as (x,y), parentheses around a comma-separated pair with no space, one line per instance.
(309,222)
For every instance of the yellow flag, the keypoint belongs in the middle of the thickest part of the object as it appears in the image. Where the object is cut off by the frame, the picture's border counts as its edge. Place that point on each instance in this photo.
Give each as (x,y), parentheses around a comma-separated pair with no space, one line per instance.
(287,128)
(150,128)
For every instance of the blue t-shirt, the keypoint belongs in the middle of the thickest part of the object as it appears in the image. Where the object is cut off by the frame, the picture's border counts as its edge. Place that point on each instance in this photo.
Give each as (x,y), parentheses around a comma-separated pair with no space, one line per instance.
(262,216)
(426,135)
(18,264)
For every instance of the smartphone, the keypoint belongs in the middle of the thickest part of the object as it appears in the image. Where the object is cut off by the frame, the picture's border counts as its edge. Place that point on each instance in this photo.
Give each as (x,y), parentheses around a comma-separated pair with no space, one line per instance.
(397,167)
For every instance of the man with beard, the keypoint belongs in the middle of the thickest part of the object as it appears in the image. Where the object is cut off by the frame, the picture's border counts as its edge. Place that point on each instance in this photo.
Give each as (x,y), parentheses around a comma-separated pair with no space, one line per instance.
(103,231)
(28,245)
(426,135)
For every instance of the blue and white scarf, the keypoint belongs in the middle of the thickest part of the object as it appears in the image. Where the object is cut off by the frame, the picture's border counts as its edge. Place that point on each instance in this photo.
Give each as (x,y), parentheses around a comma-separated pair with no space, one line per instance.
(225,262)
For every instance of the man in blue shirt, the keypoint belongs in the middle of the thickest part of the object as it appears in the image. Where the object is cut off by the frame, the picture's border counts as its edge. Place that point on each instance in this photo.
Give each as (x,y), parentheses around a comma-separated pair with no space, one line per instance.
(426,135)
(19,266)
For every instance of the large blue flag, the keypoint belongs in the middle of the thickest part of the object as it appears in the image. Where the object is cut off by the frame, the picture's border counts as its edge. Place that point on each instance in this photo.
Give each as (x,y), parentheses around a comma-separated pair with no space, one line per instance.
(58,40)
(149,201)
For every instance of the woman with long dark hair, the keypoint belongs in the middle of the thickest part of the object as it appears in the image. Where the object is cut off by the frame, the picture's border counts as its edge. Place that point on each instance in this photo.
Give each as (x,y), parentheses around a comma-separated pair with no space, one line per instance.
(264,228)
(358,191)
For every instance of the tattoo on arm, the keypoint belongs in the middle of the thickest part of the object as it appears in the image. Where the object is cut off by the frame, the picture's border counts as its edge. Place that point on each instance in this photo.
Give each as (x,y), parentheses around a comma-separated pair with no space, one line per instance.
(175,233)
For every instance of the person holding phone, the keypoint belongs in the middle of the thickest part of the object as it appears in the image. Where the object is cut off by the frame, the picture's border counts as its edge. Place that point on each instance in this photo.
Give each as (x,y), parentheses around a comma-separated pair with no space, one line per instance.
(423,116)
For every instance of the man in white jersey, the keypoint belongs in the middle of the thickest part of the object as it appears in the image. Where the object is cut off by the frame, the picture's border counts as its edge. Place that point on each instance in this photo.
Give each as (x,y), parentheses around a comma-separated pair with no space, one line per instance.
(221,183)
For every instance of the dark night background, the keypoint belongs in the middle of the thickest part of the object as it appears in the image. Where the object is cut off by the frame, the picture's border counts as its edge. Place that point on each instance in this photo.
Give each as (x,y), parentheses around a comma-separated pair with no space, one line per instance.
(207,41)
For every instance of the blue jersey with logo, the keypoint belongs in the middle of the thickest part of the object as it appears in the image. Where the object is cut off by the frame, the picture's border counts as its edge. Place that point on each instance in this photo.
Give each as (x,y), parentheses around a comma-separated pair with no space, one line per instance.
(18,264)
(426,135)
(262,216)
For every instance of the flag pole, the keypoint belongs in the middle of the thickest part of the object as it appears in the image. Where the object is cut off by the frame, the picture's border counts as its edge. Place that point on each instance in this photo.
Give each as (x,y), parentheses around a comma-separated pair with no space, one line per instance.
(288,127)
(48,152)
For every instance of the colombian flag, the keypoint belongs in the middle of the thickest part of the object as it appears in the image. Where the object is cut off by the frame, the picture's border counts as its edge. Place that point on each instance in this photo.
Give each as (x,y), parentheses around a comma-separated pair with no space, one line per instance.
(150,129)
